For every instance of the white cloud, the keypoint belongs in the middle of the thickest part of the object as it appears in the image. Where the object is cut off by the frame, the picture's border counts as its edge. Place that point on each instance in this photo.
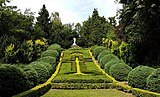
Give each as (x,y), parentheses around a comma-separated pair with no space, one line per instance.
(70,10)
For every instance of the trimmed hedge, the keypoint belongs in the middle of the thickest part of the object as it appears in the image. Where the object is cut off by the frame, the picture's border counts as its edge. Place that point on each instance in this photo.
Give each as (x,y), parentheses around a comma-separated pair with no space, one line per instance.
(13,80)
(120,71)
(93,47)
(108,65)
(153,81)
(56,47)
(137,78)
(43,73)
(52,53)
(106,59)
(98,50)
(102,54)
(48,59)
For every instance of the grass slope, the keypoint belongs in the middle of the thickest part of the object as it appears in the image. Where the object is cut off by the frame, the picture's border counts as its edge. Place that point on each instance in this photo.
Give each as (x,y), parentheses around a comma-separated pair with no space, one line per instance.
(87,93)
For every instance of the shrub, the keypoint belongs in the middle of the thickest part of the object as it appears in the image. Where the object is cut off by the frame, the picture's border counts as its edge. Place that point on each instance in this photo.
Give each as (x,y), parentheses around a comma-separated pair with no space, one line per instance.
(153,81)
(120,71)
(30,73)
(93,47)
(56,47)
(106,59)
(12,80)
(48,59)
(111,63)
(138,76)
(102,54)
(43,73)
(52,53)
(98,50)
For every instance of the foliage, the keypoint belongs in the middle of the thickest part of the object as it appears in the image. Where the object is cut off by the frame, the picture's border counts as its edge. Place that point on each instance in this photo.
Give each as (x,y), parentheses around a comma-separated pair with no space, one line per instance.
(41,69)
(102,54)
(93,47)
(140,20)
(106,59)
(52,53)
(137,78)
(56,47)
(108,65)
(13,80)
(48,59)
(153,81)
(98,50)
(120,71)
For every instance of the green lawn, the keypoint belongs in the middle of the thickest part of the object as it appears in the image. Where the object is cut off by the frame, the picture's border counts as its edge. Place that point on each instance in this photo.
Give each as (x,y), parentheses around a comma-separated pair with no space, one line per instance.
(87,93)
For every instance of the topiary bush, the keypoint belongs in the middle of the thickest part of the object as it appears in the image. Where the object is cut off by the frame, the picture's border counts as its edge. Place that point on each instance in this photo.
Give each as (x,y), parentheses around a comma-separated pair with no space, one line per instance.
(13,80)
(137,78)
(52,53)
(56,47)
(120,71)
(42,71)
(111,63)
(93,47)
(153,81)
(30,73)
(98,50)
(102,54)
(48,59)
(106,59)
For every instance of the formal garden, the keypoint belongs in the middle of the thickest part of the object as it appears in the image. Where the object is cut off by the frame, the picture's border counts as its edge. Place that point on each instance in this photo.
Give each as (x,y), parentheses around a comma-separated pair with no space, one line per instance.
(42,57)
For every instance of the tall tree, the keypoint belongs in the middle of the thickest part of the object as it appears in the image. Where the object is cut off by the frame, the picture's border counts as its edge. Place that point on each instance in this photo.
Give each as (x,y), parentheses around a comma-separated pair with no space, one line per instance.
(43,22)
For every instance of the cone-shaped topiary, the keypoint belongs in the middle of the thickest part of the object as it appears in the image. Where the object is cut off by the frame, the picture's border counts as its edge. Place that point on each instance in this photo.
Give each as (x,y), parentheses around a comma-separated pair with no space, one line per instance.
(98,50)
(106,59)
(56,47)
(153,81)
(102,54)
(137,78)
(13,80)
(120,71)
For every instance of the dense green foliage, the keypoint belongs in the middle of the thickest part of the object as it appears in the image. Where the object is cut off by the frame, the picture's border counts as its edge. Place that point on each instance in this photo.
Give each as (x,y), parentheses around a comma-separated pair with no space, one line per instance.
(108,65)
(52,53)
(153,81)
(98,50)
(48,59)
(102,54)
(106,59)
(120,71)
(137,78)
(13,80)
(139,22)
(43,72)
(56,47)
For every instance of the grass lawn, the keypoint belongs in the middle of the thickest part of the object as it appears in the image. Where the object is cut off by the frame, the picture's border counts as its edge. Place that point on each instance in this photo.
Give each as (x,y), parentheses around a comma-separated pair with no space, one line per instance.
(87,93)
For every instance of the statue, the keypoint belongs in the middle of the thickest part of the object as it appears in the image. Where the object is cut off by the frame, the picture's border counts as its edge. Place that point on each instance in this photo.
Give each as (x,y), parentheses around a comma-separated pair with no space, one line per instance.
(74,43)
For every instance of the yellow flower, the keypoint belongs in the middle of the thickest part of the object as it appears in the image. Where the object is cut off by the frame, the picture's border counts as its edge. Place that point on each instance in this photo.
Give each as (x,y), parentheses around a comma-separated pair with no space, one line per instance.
(38,41)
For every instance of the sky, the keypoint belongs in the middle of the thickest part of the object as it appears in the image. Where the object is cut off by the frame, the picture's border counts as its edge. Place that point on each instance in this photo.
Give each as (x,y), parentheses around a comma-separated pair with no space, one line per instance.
(70,11)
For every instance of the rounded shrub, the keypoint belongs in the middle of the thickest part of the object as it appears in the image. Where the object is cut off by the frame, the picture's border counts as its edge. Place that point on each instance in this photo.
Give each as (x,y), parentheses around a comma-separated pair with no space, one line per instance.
(153,81)
(98,50)
(30,73)
(106,59)
(52,53)
(120,71)
(42,71)
(111,63)
(12,80)
(48,59)
(56,47)
(93,47)
(137,78)
(102,54)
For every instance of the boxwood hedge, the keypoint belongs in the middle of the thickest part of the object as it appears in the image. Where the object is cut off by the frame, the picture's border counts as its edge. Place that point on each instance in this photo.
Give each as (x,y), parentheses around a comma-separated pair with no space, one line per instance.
(56,47)
(13,80)
(106,59)
(137,78)
(102,54)
(120,71)
(52,53)
(48,59)
(98,50)
(153,81)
